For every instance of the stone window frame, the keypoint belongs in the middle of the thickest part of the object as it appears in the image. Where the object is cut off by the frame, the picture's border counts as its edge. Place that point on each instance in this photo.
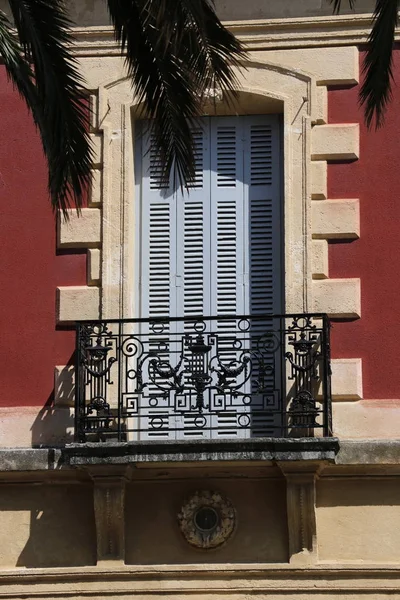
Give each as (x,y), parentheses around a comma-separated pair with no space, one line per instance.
(298,80)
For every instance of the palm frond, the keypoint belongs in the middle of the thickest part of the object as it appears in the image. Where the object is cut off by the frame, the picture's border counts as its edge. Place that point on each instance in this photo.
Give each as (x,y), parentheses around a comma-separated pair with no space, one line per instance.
(377,68)
(217,51)
(175,50)
(337,5)
(205,43)
(44,31)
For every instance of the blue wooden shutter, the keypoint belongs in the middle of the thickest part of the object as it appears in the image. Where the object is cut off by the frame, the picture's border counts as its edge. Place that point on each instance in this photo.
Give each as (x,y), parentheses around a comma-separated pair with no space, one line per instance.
(263,210)
(226,251)
(193,233)
(156,261)
(158,236)
(263,261)
(174,230)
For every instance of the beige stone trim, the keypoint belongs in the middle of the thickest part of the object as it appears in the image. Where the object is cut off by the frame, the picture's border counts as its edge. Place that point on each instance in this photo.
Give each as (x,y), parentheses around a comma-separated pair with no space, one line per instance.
(319,180)
(98,72)
(97,145)
(335,142)
(322,105)
(94,112)
(64,385)
(27,426)
(76,303)
(347,379)
(303,32)
(367,419)
(96,188)
(80,231)
(330,66)
(94,266)
(319,259)
(340,298)
(336,219)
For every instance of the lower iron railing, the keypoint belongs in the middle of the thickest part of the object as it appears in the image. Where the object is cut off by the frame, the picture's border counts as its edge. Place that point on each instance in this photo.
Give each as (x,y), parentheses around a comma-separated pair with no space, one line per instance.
(225,378)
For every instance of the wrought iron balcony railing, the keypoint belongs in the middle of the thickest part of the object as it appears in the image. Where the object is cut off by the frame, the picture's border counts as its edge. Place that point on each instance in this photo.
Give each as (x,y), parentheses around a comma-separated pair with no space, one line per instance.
(223,378)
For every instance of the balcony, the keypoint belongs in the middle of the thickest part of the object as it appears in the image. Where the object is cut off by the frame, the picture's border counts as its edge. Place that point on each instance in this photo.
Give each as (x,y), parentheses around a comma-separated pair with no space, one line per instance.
(223,380)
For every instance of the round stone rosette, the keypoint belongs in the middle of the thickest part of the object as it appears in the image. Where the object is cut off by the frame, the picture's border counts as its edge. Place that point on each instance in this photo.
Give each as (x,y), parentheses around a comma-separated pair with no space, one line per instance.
(207,520)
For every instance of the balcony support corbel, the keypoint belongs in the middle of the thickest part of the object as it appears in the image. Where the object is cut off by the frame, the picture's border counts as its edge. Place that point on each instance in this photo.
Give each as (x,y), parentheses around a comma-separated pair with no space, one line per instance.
(301,477)
(109,512)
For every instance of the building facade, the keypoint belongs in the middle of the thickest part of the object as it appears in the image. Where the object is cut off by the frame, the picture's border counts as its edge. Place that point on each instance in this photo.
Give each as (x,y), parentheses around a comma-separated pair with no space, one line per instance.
(223,420)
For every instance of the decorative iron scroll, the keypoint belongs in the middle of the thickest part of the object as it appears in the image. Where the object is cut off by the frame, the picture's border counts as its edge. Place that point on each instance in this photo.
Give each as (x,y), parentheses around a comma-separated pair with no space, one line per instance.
(209,378)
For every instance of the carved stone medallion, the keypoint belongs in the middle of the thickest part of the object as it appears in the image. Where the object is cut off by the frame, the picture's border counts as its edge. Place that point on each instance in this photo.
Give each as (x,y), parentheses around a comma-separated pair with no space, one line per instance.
(207,519)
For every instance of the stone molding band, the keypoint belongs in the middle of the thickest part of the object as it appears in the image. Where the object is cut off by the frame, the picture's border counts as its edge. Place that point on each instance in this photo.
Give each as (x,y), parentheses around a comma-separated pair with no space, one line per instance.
(302,32)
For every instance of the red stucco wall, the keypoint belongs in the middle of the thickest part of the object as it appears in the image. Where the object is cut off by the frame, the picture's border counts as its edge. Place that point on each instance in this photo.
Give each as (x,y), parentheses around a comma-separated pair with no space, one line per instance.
(30,268)
(375,257)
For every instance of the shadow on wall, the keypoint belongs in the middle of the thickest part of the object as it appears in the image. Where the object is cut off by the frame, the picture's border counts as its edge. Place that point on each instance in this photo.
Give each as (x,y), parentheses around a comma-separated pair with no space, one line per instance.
(47,526)
(54,423)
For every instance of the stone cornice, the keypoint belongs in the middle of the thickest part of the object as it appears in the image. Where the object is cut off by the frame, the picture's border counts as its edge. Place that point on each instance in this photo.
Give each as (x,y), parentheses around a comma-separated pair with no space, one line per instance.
(354,454)
(301,32)
(138,581)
